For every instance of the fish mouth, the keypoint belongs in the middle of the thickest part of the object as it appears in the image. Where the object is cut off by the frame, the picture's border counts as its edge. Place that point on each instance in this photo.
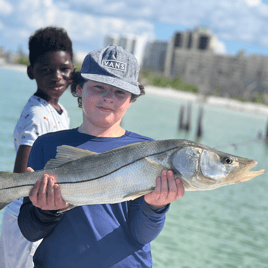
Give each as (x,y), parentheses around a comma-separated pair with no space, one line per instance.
(247,174)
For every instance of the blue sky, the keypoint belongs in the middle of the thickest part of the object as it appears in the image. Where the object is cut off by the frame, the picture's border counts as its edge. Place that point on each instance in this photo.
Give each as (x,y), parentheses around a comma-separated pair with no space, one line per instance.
(238,24)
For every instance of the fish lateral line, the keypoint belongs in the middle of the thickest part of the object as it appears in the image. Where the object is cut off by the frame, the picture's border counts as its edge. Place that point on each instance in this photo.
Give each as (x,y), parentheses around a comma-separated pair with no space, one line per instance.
(93,179)
(123,166)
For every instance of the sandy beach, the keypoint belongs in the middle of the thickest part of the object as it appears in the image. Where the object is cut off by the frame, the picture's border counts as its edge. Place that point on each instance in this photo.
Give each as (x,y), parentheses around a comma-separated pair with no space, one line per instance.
(210,100)
(17,67)
(182,95)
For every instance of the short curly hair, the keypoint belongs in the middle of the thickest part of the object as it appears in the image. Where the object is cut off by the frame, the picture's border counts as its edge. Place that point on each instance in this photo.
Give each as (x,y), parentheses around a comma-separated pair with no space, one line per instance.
(77,79)
(49,39)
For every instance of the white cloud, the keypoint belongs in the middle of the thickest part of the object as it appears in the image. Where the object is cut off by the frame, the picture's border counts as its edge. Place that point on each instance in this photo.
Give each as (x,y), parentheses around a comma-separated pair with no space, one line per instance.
(6,8)
(89,20)
(253,2)
(221,48)
(24,33)
(229,19)
(1,26)
(81,26)
(232,19)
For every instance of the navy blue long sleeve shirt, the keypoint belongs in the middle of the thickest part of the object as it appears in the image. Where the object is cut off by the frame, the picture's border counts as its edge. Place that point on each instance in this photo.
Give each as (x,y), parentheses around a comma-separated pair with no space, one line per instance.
(109,235)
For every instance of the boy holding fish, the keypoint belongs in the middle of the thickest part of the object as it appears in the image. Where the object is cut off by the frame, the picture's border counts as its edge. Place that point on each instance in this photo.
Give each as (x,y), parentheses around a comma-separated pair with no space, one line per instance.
(107,235)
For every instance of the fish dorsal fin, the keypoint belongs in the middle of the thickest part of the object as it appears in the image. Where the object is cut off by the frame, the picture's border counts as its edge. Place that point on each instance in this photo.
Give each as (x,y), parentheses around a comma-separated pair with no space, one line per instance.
(66,154)
(66,151)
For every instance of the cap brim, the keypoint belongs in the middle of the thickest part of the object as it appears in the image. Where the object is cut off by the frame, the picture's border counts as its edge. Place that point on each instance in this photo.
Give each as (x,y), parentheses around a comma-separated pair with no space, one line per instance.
(113,81)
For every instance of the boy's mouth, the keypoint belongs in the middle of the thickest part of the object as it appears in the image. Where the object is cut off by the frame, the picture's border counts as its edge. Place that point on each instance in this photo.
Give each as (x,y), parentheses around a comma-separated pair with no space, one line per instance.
(105,109)
(57,87)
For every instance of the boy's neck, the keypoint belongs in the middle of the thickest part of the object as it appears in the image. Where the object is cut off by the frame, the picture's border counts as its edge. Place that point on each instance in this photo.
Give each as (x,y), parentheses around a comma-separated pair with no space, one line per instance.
(112,132)
(52,101)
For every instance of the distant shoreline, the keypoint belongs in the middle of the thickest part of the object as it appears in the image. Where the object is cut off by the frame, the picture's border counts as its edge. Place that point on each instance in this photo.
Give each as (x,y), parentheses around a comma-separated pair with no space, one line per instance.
(17,67)
(210,100)
(188,96)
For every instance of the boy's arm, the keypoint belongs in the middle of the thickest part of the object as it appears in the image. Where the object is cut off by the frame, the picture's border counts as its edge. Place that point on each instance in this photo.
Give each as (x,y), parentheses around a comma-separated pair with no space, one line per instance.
(147,214)
(22,159)
(33,126)
(144,223)
(35,223)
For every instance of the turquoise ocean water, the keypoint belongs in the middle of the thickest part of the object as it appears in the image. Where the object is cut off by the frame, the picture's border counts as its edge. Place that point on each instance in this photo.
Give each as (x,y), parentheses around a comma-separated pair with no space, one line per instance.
(226,227)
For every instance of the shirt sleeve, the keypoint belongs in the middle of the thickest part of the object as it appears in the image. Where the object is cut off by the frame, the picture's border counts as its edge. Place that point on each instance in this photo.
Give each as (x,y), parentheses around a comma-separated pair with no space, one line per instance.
(34,125)
(145,224)
(35,223)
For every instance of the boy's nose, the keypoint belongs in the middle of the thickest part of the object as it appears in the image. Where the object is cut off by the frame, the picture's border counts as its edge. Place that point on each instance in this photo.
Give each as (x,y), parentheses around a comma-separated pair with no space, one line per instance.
(58,74)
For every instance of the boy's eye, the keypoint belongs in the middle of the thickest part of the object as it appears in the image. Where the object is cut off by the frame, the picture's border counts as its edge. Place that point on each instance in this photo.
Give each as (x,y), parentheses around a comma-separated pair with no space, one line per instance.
(120,92)
(65,69)
(100,88)
(47,70)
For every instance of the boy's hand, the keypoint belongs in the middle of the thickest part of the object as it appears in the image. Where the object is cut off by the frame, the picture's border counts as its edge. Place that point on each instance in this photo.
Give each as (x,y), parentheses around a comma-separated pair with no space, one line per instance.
(167,190)
(46,194)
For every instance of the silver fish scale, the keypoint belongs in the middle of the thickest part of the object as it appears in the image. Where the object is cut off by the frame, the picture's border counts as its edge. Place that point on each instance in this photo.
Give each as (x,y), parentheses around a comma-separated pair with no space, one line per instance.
(121,185)
(100,165)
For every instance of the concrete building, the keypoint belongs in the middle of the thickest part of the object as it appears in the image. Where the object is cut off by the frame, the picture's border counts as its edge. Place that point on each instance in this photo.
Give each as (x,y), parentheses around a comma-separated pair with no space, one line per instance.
(155,55)
(133,43)
(192,56)
(195,45)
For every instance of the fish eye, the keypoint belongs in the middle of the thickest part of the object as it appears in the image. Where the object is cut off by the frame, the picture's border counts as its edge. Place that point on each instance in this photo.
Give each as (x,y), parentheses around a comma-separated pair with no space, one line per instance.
(227,160)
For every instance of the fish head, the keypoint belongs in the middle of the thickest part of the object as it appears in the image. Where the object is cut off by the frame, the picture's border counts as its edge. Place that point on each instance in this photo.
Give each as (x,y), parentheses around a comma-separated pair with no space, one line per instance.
(243,173)
(207,169)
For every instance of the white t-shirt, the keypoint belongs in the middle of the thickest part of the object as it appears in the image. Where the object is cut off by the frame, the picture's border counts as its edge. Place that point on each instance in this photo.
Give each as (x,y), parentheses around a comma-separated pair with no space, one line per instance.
(38,117)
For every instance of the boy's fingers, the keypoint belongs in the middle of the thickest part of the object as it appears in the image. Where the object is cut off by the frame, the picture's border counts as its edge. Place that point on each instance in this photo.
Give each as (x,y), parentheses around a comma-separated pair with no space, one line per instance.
(29,169)
(171,185)
(180,188)
(59,202)
(34,191)
(50,192)
(164,185)
(42,193)
(157,189)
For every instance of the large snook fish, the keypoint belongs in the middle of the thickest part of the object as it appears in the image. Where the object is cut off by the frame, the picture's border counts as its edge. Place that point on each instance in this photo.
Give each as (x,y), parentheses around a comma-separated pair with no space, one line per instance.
(129,172)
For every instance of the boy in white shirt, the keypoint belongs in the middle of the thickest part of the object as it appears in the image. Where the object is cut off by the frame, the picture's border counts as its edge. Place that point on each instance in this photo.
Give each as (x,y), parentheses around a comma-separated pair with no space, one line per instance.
(50,55)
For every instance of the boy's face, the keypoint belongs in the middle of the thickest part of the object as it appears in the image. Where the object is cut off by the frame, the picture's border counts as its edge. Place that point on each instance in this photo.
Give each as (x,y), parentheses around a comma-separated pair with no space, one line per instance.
(52,73)
(103,105)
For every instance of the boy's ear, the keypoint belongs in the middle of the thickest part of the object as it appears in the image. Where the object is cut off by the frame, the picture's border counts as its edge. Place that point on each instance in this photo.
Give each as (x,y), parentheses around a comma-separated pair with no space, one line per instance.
(79,91)
(30,72)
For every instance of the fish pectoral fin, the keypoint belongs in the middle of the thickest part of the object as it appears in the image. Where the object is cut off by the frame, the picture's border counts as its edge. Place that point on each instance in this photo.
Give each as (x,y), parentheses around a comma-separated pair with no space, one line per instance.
(135,195)
(66,154)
